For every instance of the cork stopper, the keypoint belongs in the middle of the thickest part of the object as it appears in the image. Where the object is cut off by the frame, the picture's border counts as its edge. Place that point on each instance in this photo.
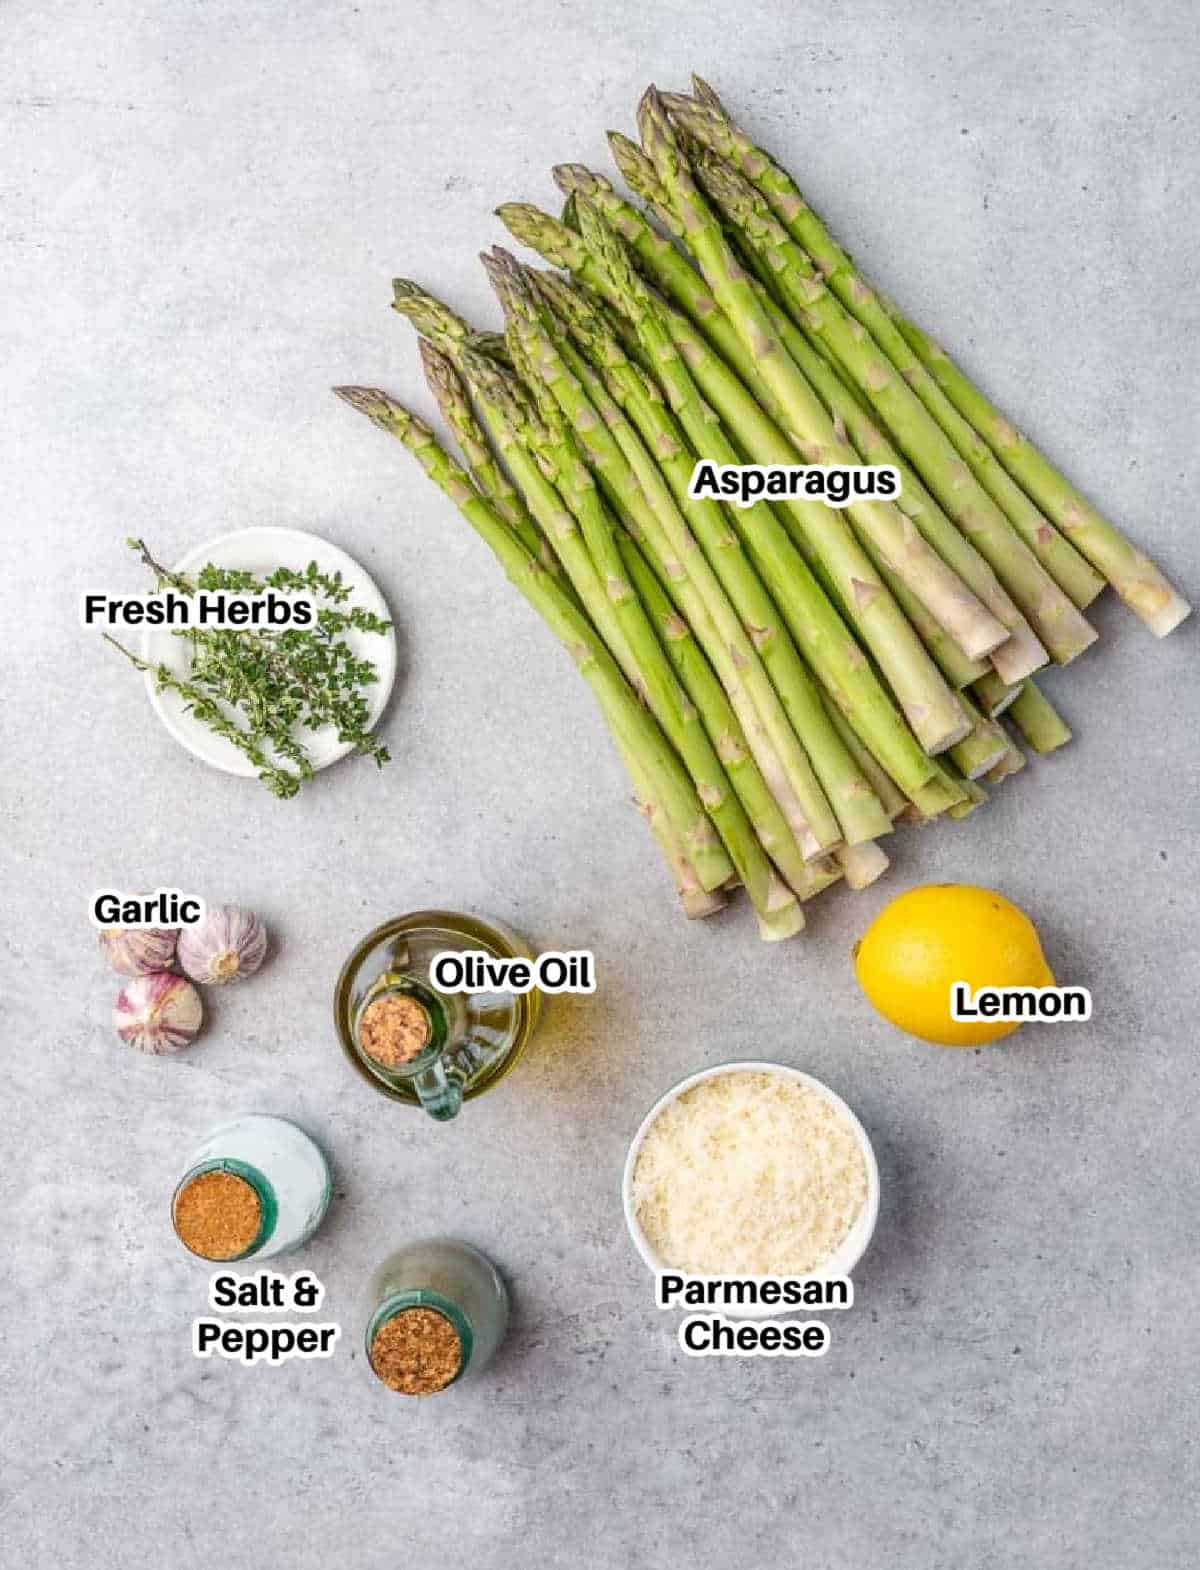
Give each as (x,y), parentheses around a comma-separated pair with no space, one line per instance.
(417,1352)
(394,1029)
(217,1215)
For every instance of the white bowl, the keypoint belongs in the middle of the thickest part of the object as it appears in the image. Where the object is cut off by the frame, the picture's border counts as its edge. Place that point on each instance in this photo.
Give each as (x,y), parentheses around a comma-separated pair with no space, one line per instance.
(844,1258)
(260,550)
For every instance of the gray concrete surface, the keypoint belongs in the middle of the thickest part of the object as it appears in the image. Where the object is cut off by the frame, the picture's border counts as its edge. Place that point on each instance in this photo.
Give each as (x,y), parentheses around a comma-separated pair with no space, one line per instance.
(202,207)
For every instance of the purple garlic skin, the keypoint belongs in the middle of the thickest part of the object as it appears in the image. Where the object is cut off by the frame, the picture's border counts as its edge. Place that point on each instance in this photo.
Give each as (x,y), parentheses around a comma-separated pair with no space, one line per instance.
(136,951)
(158,1013)
(227,945)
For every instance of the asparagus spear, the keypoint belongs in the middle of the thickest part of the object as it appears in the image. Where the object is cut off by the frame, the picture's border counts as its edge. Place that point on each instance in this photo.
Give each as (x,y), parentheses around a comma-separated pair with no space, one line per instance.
(642,179)
(1057,622)
(634,728)
(1042,726)
(859,813)
(490,479)
(481,464)
(1141,584)
(1134,576)
(814,623)
(705,93)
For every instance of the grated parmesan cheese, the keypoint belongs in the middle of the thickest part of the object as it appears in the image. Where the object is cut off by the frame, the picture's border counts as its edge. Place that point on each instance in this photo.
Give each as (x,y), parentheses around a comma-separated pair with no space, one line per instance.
(748,1173)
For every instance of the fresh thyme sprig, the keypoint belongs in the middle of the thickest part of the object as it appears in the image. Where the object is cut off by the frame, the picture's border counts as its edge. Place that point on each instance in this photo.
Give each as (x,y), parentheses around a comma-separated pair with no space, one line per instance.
(256,688)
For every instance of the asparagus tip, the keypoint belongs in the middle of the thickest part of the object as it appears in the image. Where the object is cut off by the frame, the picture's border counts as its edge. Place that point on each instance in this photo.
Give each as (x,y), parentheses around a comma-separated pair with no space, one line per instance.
(588,213)
(578,177)
(522,220)
(378,407)
(518,212)
(690,109)
(649,104)
(351,395)
(439,372)
(505,275)
(656,129)
(540,232)
(627,155)
(728,187)
(704,91)
(595,228)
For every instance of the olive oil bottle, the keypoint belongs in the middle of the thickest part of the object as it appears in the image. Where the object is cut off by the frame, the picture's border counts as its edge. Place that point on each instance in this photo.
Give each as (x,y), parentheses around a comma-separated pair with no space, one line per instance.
(415,1042)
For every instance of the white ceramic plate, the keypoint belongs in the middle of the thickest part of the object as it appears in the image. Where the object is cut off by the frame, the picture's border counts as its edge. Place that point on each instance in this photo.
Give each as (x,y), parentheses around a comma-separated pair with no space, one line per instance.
(853,1245)
(261,551)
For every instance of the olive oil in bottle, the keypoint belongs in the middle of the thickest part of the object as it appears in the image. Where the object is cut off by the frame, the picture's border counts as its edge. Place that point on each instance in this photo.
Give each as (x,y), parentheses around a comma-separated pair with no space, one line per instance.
(412,1040)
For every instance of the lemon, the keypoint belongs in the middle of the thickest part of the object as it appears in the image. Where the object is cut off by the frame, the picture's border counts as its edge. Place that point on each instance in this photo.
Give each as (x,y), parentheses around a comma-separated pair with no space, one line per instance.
(929,938)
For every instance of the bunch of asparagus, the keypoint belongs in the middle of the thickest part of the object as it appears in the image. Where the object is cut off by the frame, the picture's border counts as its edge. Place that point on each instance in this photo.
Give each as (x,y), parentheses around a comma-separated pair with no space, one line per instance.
(784,681)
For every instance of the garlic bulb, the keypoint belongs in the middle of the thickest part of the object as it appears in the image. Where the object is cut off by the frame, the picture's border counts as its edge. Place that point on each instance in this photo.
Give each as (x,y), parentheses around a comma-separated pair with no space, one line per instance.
(135,951)
(158,1013)
(228,944)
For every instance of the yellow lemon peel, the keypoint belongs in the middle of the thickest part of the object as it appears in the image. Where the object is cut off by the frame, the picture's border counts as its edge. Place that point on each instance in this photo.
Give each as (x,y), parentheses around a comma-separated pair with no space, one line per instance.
(930,937)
